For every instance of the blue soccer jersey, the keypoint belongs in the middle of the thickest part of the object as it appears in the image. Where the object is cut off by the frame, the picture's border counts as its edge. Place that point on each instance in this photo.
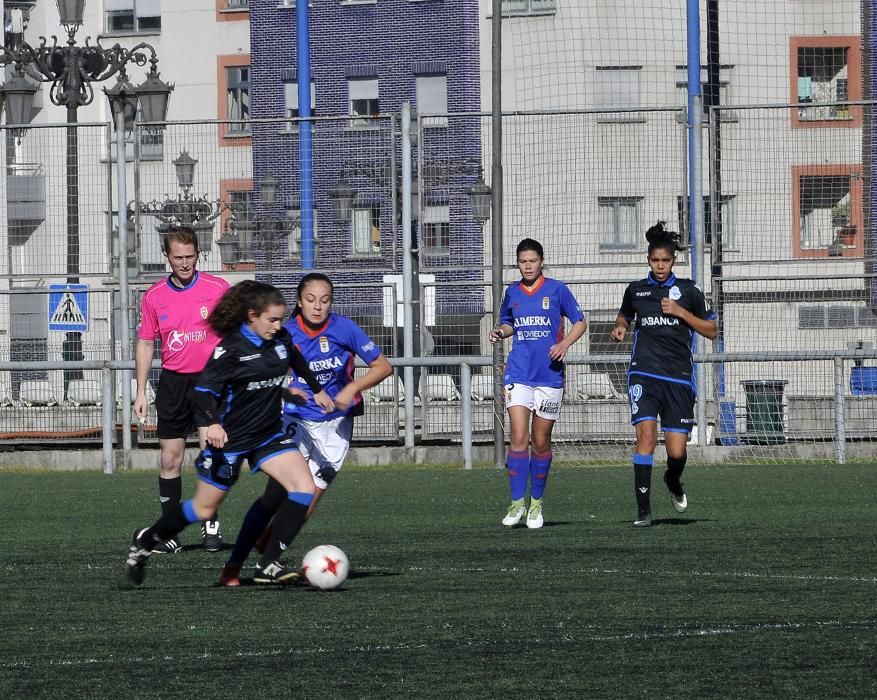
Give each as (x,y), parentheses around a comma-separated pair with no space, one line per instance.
(536,315)
(330,351)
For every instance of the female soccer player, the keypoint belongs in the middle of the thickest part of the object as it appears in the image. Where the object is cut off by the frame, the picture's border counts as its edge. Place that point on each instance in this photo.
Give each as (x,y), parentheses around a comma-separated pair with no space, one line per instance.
(330,343)
(533,310)
(239,394)
(667,311)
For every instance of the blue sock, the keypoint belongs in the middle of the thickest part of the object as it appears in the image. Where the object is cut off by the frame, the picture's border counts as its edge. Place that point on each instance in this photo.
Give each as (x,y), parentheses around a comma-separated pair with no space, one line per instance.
(254,524)
(539,466)
(518,464)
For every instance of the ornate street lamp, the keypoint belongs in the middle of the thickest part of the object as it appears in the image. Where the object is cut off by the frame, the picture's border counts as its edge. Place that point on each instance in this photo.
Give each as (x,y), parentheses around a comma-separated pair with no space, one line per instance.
(198,213)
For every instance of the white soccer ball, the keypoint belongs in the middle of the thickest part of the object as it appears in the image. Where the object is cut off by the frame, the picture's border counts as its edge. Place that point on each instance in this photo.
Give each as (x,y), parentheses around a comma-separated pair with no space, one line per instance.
(325,567)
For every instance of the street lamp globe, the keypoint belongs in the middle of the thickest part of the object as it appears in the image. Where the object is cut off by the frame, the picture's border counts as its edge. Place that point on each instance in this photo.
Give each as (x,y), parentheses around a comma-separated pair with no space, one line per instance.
(342,196)
(18,93)
(268,186)
(480,196)
(184,165)
(154,95)
(70,12)
(123,100)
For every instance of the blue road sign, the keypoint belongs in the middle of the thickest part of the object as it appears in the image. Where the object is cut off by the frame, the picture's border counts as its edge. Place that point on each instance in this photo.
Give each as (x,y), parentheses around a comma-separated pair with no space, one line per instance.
(68,307)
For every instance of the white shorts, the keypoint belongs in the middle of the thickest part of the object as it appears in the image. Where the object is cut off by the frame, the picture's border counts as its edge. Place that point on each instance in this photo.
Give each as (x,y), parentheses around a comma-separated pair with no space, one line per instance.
(545,400)
(324,445)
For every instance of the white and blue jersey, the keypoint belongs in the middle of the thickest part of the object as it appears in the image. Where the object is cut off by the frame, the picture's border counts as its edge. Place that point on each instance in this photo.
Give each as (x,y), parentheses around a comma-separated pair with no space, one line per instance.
(330,352)
(536,317)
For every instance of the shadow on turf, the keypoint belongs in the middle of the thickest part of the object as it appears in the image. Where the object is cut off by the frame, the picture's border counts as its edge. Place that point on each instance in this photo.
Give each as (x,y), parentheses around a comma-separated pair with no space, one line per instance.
(671,521)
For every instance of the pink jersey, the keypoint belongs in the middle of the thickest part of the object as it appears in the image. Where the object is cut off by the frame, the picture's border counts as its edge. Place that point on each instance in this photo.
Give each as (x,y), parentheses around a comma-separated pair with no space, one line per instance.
(179,317)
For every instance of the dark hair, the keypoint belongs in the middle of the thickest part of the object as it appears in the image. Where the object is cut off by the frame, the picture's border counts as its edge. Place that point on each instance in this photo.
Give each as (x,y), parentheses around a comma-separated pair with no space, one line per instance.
(180,234)
(304,282)
(529,244)
(659,237)
(235,305)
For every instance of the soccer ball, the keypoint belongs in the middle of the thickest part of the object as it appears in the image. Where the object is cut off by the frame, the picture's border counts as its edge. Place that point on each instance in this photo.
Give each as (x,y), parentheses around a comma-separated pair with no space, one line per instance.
(325,567)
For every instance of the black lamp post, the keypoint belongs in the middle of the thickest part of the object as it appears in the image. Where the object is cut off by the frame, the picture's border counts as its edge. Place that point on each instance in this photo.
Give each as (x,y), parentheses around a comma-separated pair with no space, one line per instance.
(480,196)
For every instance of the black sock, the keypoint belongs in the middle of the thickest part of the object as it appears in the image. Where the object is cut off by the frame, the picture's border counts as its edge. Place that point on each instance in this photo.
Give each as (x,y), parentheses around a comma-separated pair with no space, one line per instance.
(287,523)
(275,496)
(165,527)
(675,465)
(254,524)
(170,493)
(642,481)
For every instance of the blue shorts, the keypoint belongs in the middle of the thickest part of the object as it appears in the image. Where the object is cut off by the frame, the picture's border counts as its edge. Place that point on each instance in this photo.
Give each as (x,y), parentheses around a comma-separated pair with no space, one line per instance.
(651,398)
(221,469)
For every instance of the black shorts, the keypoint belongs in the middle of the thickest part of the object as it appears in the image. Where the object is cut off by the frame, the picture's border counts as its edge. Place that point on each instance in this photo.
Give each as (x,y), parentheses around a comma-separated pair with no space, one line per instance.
(651,398)
(221,468)
(175,405)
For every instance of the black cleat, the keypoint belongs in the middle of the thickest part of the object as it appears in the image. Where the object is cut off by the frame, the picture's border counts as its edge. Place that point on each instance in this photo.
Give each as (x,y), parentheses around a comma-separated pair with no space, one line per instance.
(171,546)
(137,556)
(276,572)
(211,535)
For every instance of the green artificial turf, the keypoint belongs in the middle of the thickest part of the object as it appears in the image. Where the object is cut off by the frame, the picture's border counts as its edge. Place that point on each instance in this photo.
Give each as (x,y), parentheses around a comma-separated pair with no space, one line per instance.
(764,588)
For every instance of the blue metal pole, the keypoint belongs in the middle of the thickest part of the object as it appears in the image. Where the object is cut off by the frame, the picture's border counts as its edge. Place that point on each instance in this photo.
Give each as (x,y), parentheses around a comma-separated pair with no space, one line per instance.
(695,119)
(306,151)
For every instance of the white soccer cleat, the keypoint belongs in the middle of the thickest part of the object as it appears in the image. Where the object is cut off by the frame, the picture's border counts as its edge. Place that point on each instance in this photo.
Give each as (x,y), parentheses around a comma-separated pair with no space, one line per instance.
(534,516)
(517,511)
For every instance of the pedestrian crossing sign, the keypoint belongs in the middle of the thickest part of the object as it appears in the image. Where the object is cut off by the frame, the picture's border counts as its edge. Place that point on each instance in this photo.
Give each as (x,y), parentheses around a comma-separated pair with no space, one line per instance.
(68,307)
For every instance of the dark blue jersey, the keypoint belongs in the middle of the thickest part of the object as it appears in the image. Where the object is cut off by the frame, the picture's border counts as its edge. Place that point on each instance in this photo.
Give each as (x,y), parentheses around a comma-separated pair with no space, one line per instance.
(662,344)
(240,387)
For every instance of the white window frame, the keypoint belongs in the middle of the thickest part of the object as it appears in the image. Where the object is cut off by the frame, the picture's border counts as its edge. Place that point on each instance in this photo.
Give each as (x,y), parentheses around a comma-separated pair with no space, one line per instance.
(120,7)
(726,95)
(522,8)
(436,216)
(294,216)
(362,230)
(615,236)
(619,87)
(290,103)
(432,98)
(362,92)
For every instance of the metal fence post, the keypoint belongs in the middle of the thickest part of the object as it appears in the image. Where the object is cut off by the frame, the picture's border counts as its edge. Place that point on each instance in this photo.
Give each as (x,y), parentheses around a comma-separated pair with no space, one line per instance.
(466,413)
(840,425)
(108,414)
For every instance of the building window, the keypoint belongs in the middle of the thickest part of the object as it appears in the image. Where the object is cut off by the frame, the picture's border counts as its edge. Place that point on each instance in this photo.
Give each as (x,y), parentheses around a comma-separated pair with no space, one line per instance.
(237,4)
(366,227)
(290,102)
(233,99)
(237,93)
(432,98)
(152,143)
(827,211)
(725,94)
(835,317)
(436,230)
(133,16)
(826,70)
(512,8)
(363,100)
(619,223)
(618,87)
(295,229)
(727,226)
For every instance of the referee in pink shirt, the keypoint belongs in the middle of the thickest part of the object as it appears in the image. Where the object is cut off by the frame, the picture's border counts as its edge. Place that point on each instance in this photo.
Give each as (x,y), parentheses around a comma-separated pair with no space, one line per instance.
(175,309)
